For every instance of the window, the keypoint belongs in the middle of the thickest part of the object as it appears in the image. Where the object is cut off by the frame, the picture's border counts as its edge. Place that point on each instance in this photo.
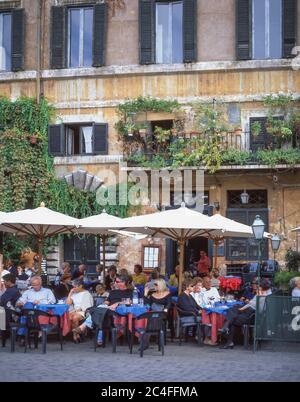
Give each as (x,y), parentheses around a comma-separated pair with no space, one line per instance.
(78,139)
(246,249)
(151,257)
(169,32)
(5,41)
(80,46)
(266,29)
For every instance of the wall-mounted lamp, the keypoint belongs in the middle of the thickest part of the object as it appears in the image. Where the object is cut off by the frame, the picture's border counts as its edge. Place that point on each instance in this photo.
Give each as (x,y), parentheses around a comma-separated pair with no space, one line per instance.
(245,198)
(217,205)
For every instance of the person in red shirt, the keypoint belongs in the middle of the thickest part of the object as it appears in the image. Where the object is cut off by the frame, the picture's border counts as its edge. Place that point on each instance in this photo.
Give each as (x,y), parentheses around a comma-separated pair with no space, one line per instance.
(204,263)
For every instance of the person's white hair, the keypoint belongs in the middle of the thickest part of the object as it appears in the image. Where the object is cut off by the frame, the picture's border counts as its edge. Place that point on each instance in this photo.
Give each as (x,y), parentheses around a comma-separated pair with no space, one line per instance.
(35,278)
(297,280)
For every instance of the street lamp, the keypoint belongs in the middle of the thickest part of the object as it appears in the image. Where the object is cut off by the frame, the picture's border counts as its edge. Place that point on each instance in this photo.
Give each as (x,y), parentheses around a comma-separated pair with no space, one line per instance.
(275,242)
(258,229)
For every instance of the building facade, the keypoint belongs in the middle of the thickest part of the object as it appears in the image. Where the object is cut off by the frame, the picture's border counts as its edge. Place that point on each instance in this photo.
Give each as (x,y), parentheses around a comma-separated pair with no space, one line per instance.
(87,57)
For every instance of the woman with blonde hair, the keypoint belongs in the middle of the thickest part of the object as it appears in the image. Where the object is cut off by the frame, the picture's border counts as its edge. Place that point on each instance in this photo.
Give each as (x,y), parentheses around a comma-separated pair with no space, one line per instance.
(296,290)
(160,299)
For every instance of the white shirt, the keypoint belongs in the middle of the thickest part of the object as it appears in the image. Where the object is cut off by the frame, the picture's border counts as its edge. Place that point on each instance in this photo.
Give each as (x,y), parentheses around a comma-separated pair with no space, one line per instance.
(207,295)
(44,296)
(296,292)
(198,298)
(82,300)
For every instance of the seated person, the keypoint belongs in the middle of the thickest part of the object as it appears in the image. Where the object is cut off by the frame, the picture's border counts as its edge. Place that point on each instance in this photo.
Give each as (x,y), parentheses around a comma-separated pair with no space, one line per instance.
(296,290)
(123,271)
(161,296)
(174,278)
(101,294)
(110,277)
(215,281)
(249,292)
(80,300)
(62,290)
(208,293)
(99,270)
(185,300)
(66,269)
(79,272)
(114,299)
(139,278)
(196,294)
(237,317)
(151,283)
(10,267)
(37,294)
(11,294)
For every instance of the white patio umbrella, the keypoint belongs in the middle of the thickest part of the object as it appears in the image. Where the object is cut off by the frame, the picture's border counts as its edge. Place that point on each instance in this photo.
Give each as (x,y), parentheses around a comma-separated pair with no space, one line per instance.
(102,226)
(179,224)
(40,222)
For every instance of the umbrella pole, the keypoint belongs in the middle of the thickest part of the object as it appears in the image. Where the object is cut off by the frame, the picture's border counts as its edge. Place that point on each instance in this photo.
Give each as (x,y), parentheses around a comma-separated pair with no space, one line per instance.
(181,264)
(40,251)
(103,256)
(216,254)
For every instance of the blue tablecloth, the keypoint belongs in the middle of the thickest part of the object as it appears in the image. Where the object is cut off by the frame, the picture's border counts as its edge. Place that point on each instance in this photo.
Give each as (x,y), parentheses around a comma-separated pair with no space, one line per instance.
(135,309)
(56,309)
(222,308)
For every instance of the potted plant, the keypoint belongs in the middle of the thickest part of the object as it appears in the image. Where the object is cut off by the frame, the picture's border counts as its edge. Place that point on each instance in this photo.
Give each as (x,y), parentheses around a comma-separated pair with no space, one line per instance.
(238,130)
(256,128)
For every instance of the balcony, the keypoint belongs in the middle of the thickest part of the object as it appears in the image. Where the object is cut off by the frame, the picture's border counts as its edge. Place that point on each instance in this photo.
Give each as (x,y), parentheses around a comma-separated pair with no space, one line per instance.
(196,149)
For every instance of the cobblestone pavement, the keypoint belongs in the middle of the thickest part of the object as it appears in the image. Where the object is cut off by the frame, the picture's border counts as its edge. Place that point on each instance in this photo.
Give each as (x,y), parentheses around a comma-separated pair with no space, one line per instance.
(181,363)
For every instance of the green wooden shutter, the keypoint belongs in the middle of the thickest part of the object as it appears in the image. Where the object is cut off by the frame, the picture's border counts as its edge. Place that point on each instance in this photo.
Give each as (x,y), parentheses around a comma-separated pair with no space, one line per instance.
(289,20)
(147,31)
(99,35)
(56,140)
(18,39)
(189,31)
(100,139)
(243,29)
(58,37)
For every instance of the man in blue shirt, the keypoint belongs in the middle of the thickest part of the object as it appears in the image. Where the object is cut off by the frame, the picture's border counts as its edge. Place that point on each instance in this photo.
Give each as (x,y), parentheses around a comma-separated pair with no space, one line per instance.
(11,294)
(37,294)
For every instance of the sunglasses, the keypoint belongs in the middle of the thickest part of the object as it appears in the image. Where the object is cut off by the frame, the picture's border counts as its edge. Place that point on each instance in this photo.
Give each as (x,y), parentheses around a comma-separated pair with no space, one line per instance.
(118,281)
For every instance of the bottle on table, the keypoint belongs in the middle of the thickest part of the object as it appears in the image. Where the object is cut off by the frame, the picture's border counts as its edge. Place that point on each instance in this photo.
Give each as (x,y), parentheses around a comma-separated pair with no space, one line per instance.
(135,297)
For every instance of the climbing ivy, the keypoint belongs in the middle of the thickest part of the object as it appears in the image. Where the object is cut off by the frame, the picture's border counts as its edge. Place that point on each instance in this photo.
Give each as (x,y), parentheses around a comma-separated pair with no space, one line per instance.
(27,175)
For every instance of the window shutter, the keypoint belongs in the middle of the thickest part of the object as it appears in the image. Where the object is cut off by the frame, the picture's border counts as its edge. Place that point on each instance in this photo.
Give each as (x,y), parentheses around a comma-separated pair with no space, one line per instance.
(100,139)
(289,27)
(18,39)
(243,29)
(99,35)
(56,140)
(147,31)
(58,37)
(189,31)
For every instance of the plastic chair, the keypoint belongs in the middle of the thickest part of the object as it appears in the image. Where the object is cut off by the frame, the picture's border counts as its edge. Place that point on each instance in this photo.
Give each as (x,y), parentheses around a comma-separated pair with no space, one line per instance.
(12,318)
(33,326)
(155,326)
(102,321)
(187,320)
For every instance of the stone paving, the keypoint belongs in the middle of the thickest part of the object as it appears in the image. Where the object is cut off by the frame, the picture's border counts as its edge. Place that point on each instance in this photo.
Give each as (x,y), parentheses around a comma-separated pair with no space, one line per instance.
(277,362)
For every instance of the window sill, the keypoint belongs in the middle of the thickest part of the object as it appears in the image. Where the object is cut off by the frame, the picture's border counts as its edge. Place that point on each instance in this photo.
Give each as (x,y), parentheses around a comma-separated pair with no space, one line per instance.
(87,159)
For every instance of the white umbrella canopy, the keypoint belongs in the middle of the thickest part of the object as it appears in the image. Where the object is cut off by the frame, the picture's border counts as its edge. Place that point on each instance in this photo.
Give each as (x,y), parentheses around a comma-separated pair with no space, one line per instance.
(179,224)
(40,222)
(100,225)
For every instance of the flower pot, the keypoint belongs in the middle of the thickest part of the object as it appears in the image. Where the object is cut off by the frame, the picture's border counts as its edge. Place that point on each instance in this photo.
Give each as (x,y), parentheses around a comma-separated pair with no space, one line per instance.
(33,139)
(238,131)
(143,132)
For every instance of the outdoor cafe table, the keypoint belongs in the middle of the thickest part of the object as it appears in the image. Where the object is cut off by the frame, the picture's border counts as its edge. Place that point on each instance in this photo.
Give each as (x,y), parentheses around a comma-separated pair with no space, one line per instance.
(59,312)
(131,313)
(215,316)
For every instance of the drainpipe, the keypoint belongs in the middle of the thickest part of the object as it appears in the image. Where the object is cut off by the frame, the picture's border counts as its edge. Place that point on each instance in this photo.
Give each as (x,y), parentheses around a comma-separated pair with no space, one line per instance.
(39,4)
